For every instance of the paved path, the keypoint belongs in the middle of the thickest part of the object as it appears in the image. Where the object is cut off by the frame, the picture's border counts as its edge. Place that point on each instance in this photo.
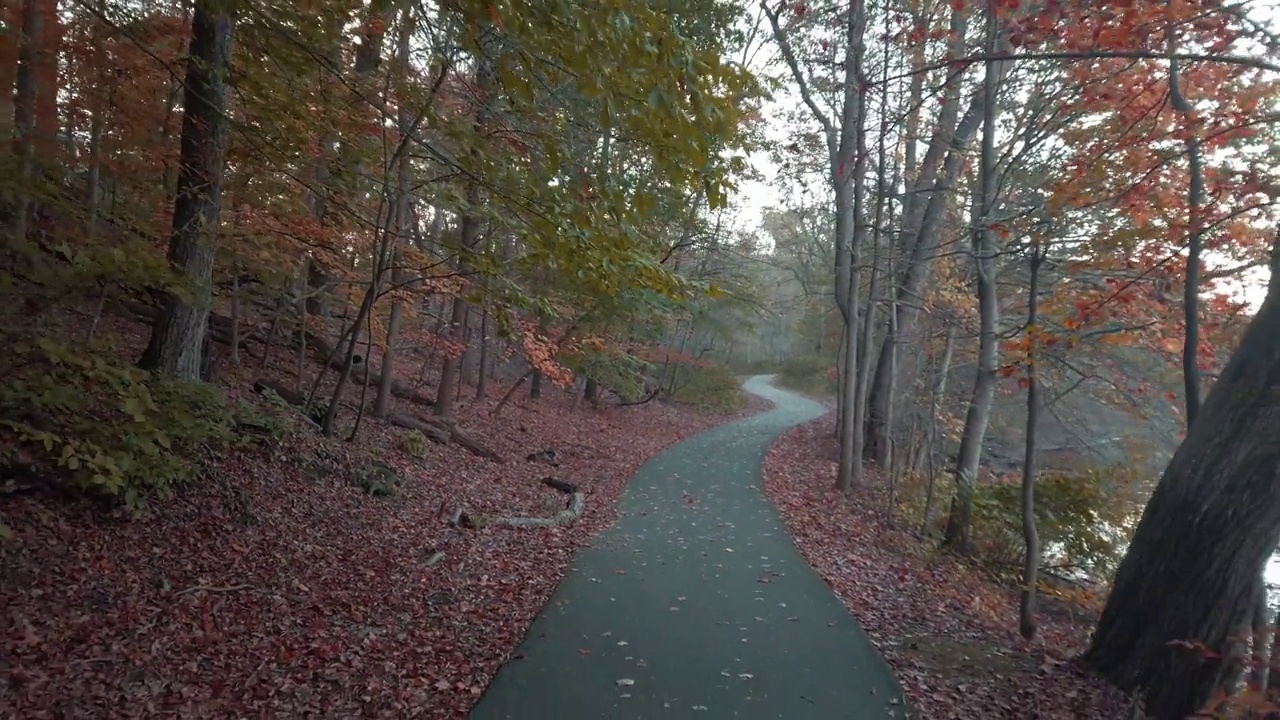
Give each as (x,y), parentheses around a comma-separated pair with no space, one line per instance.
(697,605)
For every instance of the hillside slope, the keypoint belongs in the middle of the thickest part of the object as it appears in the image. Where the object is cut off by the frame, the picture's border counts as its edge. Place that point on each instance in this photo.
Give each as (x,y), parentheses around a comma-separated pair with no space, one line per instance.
(283,584)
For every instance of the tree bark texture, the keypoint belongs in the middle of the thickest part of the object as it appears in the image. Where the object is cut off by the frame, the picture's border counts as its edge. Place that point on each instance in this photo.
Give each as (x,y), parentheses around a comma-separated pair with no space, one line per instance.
(177,336)
(1190,572)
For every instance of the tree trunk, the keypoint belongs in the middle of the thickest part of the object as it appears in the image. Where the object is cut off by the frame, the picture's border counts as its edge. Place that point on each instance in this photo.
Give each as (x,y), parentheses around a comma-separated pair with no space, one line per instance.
(1190,572)
(914,235)
(24,115)
(851,458)
(404,228)
(959,535)
(1260,626)
(450,370)
(937,391)
(482,368)
(1030,538)
(1195,197)
(177,336)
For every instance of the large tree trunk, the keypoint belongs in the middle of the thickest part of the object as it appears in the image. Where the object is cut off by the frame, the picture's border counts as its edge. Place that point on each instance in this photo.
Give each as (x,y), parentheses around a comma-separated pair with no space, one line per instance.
(1189,575)
(178,334)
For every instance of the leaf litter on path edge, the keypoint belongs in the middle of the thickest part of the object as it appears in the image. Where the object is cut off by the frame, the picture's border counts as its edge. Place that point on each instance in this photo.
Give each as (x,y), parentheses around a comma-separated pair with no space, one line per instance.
(268,594)
(950,636)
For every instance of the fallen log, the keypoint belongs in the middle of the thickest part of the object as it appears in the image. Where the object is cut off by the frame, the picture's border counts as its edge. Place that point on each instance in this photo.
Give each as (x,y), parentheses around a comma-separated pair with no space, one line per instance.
(291,397)
(433,432)
(475,446)
(563,486)
(571,513)
(444,431)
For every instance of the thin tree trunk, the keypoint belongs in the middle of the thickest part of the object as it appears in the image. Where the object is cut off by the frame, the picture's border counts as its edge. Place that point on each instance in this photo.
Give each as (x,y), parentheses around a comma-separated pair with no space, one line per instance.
(1195,198)
(482,370)
(269,344)
(938,389)
(235,314)
(301,365)
(1030,538)
(353,339)
(470,231)
(177,336)
(959,535)
(404,229)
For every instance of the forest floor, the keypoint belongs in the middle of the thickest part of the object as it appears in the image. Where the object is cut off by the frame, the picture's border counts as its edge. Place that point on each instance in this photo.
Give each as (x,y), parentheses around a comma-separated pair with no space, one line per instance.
(949,632)
(277,588)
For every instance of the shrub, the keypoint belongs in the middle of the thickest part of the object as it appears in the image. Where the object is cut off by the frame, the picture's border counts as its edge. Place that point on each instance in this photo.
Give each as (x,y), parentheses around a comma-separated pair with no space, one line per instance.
(709,387)
(1082,522)
(414,444)
(808,373)
(108,429)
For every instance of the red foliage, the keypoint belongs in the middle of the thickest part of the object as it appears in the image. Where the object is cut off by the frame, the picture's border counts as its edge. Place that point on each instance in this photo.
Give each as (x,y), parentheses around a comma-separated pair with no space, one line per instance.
(950,635)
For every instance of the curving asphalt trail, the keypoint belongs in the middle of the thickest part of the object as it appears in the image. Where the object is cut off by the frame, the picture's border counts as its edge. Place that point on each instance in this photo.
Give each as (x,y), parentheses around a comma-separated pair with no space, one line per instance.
(697,605)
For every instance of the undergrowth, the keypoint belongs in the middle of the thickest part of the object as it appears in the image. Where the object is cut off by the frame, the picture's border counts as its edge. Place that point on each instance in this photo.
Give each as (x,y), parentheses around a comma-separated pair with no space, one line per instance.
(83,423)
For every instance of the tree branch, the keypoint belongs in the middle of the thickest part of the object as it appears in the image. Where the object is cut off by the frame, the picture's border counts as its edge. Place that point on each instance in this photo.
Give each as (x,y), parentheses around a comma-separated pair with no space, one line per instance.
(784,45)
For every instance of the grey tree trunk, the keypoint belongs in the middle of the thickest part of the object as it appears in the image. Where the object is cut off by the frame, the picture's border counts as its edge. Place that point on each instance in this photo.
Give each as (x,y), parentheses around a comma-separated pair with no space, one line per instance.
(959,534)
(1195,236)
(845,157)
(482,365)
(855,409)
(404,230)
(177,336)
(937,392)
(916,238)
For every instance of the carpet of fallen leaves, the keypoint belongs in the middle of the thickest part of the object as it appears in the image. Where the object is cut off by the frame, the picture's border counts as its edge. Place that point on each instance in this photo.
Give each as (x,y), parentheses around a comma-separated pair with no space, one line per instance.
(267,591)
(949,633)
